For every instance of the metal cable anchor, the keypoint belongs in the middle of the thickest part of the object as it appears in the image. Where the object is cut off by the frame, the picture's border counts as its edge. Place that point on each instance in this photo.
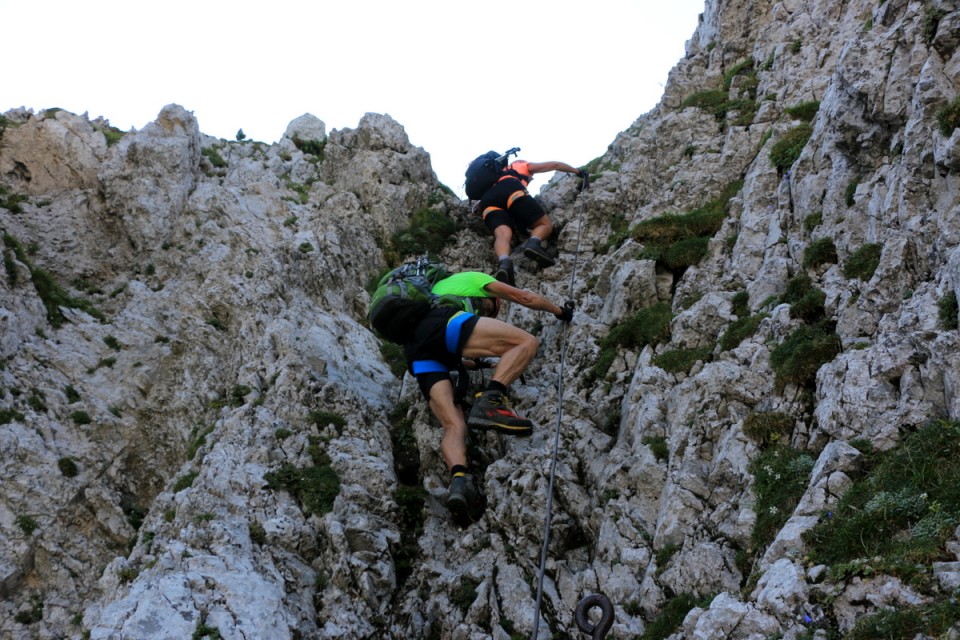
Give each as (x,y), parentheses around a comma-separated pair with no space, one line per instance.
(598,632)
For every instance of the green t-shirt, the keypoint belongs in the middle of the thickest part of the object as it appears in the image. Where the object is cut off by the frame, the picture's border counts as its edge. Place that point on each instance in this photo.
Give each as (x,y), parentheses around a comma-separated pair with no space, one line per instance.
(468,284)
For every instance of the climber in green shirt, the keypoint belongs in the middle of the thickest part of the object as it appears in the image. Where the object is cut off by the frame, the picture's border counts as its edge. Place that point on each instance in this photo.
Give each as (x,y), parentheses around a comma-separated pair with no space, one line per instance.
(464,326)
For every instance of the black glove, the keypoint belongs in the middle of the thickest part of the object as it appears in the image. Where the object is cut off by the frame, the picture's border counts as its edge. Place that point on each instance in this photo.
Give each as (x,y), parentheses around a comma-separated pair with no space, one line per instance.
(566,312)
(585,177)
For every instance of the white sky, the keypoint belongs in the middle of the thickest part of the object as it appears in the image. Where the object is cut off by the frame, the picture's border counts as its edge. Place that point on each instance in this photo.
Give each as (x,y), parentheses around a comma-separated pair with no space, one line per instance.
(557,78)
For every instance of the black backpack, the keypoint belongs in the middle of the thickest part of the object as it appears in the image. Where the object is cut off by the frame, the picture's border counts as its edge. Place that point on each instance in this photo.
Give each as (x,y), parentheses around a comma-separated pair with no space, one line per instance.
(403,297)
(484,172)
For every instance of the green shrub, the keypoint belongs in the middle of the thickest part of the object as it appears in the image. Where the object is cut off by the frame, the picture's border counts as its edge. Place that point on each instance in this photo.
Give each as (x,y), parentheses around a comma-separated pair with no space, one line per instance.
(767,427)
(809,308)
(805,300)
(741,304)
(27,524)
(81,417)
(198,438)
(650,325)
(683,253)
(670,618)
(931,21)
(33,614)
(718,102)
(850,192)
(813,221)
(787,149)
(49,292)
(680,360)
(797,360)
(465,594)
(315,487)
(323,419)
(863,262)
(311,147)
(68,467)
(429,231)
(820,252)
(214,157)
(677,241)
(948,117)
(184,482)
(948,312)
(72,394)
(805,111)
(739,330)
(781,475)
(658,446)
(932,619)
(900,511)
(9,415)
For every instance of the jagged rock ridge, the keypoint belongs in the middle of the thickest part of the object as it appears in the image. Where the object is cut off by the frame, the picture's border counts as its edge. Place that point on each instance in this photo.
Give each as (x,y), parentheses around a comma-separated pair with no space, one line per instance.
(210,333)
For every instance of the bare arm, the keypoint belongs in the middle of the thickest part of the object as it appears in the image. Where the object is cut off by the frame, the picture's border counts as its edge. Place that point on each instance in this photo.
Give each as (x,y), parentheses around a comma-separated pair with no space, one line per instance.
(543,167)
(529,299)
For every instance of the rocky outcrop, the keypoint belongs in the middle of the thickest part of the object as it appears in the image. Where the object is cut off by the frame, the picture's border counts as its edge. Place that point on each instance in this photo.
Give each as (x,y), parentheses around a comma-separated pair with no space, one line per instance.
(182,335)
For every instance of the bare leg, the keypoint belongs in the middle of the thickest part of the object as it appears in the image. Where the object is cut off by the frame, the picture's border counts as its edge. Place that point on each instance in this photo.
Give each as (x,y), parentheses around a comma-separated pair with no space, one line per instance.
(515,347)
(502,237)
(542,228)
(453,445)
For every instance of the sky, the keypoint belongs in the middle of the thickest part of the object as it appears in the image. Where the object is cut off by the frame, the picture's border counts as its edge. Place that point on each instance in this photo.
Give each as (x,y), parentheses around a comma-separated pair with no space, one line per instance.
(557,78)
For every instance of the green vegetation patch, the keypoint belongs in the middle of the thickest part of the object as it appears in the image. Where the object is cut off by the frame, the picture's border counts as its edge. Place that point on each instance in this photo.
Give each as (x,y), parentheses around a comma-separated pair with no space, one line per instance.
(948,312)
(787,149)
(718,102)
(677,241)
(798,358)
(681,360)
(50,293)
(310,147)
(315,487)
(821,251)
(780,477)
(658,446)
(806,301)
(863,262)
(767,427)
(650,325)
(805,111)
(323,419)
(68,467)
(13,202)
(670,618)
(739,330)
(214,157)
(948,117)
(9,415)
(934,619)
(429,231)
(900,512)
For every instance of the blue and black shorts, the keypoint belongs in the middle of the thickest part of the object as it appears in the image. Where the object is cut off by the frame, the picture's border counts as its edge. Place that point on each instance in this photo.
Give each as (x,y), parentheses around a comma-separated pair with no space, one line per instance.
(436,347)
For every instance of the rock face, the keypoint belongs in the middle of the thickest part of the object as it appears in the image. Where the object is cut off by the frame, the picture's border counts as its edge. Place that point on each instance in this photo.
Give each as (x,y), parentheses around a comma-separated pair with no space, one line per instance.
(183,338)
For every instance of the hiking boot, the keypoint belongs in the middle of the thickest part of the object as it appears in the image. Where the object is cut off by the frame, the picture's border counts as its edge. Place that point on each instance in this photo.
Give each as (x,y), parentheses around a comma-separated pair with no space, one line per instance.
(492,411)
(464,501)
(505,273)
(534,251)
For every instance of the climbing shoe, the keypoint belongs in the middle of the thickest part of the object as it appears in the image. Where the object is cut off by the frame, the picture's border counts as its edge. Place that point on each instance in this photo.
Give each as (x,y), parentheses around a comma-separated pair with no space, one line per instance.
(464,501)
(492,411)
(533,250)
(505,273)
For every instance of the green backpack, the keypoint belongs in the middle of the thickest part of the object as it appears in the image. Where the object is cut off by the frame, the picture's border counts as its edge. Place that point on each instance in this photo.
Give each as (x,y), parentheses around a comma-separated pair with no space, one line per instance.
(403,297)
